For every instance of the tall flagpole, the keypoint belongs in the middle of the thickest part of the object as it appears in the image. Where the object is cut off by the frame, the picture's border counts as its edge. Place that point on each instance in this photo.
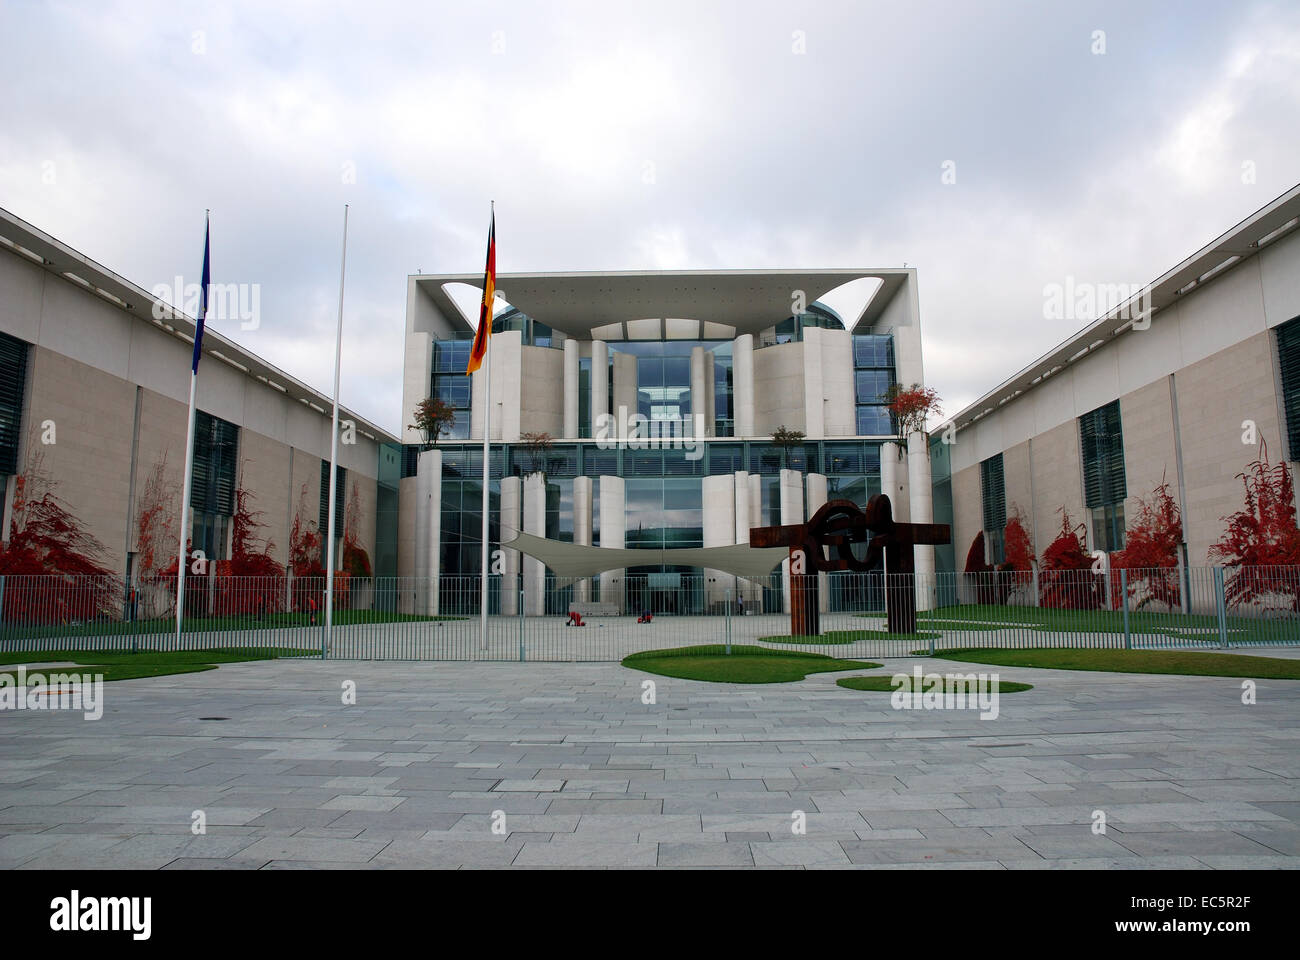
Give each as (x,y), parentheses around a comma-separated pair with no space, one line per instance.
(183,559)
(334,453)
(487,432)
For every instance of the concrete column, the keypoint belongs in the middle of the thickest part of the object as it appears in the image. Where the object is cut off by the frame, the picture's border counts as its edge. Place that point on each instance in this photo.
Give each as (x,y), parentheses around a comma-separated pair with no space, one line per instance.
(893,479)
(626,406)
(751,591)
(791,512)
(570,389)
(600,389)
(582,517)
(817,497)
(710,395)
(755,483)
(534,523)
(511,524)
(719,501)
(742,383)
(613,533)
(428,530)
(699,402)
(921,504)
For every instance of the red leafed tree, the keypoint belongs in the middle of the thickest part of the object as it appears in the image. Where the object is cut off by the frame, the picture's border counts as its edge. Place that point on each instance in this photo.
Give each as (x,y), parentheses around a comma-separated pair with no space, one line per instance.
(975,556)
(252,580)
(305,557)
(157,542)
(56,568)
(1150,551)
(994,583)
(1262,542)
(1066,581)
(1017,549)
(356,561)
(911,406)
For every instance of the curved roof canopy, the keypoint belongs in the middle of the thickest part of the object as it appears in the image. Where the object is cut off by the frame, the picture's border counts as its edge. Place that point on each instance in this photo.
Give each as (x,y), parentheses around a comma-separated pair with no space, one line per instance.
(746,301)
(575,560)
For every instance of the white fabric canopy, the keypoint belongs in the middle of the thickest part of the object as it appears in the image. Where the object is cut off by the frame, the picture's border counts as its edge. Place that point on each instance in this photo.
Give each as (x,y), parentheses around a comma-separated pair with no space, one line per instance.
(577,560)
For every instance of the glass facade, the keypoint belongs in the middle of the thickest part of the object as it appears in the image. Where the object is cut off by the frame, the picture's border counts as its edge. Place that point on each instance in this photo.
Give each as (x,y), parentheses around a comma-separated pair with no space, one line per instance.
(663,378)
(450,384)
(662,488)
(873,374)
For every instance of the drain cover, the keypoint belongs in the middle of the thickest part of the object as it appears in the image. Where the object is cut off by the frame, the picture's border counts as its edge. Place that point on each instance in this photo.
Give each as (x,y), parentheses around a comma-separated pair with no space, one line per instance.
(214,718)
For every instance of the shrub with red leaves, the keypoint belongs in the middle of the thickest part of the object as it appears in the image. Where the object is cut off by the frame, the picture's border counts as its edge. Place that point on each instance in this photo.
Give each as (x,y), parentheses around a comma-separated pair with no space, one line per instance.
(1150,551)
(1066,581)
(1262,541)
(56,568)
(252,580)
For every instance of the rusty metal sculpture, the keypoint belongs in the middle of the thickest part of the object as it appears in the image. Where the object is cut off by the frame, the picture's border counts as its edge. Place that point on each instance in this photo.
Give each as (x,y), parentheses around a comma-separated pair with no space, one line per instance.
(825,543)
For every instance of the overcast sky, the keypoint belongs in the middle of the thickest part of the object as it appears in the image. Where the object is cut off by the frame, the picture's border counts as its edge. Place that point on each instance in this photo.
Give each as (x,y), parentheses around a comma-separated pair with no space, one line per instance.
(621,136)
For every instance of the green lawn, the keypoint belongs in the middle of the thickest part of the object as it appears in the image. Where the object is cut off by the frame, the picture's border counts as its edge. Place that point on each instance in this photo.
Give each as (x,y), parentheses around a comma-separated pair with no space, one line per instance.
(746,664)
(247,622)
(832,637)
(1204,627)
(1193,663)
(884,682)
(124,665)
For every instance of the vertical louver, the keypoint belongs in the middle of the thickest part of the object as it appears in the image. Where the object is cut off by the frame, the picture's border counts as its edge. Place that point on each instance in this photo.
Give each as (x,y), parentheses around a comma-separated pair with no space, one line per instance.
(13,377)
(340,484)
(216,447)
(993,493)
(1288,354)
(1102,443)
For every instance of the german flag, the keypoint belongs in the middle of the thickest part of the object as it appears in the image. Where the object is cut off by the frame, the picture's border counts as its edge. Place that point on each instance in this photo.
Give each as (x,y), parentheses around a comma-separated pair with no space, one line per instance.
(479,350)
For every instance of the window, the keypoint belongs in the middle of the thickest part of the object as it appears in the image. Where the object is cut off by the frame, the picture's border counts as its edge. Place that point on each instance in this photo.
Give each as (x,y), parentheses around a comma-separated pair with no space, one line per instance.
(873,375)
(1101,439)
(993,496)
(13,378)
(1288,355)
(449,383)
(340,495)
(212,486)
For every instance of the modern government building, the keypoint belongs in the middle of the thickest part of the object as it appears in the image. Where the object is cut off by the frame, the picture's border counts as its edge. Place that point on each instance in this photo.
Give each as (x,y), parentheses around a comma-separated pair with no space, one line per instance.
(636,411)
(1187,392)
(660,393)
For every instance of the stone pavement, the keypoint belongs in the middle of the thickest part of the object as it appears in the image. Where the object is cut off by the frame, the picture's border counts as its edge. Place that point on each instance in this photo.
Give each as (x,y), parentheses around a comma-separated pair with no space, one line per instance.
(574,770)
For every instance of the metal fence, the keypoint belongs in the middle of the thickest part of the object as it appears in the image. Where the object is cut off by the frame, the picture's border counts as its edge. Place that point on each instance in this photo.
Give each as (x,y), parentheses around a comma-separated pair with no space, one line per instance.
(622,612)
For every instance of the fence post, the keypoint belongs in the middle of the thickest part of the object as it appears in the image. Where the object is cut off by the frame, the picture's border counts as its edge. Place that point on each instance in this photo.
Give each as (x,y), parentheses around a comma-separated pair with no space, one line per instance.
(521,626)
(1221,607)
(1123,599)
(728,606)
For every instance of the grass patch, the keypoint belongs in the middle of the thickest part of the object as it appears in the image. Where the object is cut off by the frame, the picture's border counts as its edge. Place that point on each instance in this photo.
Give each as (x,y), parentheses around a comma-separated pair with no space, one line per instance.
(124,665)
(1191,663)
(833,637)
(746,664)
(245,623)
(884,683)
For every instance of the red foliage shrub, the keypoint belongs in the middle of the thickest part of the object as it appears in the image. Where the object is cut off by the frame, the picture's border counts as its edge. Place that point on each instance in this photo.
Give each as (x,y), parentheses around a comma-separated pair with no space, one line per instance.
(1150,551)
(252,580)
(56,567)
(1262,539)
(1066,581)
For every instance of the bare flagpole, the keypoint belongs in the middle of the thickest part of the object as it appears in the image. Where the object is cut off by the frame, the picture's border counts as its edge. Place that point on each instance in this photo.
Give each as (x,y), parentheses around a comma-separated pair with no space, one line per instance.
(334,454)
(182,558)
(487,455)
